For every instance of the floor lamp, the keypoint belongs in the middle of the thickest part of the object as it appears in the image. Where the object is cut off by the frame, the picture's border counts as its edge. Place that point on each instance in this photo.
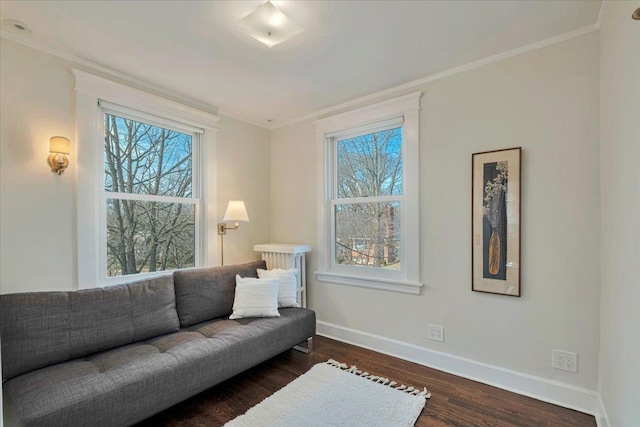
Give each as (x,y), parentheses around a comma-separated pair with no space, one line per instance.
(236,211)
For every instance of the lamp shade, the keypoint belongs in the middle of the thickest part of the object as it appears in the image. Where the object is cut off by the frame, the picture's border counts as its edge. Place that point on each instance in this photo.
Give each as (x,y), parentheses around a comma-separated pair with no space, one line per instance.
(236,211)
(59,144)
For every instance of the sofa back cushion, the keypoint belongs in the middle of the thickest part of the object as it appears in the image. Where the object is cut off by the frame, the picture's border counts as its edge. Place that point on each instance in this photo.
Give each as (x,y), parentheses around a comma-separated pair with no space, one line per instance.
(43,328)
(207,293)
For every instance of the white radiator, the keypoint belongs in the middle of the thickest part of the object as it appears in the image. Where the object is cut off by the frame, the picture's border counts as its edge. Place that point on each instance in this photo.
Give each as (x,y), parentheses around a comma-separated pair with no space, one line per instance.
(286,256)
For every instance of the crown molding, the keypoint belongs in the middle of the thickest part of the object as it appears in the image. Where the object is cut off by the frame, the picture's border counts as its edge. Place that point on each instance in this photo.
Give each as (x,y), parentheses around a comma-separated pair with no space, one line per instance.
(243,118)
(601,13)
(86,64)
(349,104)
(450,72)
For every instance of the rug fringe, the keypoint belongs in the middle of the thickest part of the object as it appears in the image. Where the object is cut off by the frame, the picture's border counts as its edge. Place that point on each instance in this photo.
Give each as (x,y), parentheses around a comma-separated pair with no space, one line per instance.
(380,380)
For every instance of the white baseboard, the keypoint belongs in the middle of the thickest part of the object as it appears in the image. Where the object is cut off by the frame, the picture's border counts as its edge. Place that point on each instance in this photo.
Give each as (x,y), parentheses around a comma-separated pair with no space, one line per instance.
(566,395)
(602,418)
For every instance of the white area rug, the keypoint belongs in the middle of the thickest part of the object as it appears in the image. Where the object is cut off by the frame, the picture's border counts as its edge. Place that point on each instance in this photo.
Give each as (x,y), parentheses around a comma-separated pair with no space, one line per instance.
(332,394)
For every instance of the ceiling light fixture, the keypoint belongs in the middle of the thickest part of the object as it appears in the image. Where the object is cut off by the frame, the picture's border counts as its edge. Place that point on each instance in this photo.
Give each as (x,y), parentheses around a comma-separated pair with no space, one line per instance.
(636,14)
(269,25)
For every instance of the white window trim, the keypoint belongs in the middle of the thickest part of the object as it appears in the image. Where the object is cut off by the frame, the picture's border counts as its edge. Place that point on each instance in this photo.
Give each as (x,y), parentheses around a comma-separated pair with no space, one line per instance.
(408,107)
(89,90)
(196,200)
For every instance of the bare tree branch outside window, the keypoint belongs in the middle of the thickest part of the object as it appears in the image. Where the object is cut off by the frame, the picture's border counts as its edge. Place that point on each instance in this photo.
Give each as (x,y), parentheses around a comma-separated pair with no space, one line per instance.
(150,161)
(369,166)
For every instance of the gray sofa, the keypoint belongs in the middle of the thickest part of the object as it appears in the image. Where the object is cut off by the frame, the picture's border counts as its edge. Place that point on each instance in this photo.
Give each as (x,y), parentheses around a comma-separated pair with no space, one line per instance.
(115,356)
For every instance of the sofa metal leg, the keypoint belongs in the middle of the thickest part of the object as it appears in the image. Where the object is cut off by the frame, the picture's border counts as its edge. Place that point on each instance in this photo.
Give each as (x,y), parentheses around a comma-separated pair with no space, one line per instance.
(308,349)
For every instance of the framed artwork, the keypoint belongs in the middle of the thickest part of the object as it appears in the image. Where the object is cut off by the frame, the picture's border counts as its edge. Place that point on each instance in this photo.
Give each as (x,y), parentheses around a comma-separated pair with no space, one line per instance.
(495,221)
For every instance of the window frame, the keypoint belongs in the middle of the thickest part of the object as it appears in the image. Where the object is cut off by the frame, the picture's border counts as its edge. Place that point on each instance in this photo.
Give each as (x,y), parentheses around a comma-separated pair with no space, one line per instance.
(196,184)
(359,122)
(95,96)
(333,139)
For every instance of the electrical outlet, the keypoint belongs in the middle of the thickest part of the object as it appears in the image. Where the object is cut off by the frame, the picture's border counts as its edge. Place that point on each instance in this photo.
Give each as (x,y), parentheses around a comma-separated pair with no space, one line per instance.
(564,360)
(435,332)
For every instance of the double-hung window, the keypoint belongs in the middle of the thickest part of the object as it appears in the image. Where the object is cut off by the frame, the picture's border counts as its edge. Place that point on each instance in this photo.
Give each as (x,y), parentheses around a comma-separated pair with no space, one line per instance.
(369,228)
(146,188)
(367,197)
(151,205)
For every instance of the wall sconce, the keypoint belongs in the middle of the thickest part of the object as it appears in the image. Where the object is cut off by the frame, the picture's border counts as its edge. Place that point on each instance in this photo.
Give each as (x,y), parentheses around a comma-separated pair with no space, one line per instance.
(59,148)
(236,211)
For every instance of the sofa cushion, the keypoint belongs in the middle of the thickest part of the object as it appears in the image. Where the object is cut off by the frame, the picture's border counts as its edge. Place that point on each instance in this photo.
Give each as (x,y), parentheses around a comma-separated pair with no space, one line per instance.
(144,378)
(42,328)
(35,330)
(207,293)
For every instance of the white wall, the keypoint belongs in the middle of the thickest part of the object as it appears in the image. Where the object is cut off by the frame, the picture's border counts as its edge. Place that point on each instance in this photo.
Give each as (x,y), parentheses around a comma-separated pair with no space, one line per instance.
(552,102)
(36,206)
(244,174)
(619,371)
(545,101)
(37,212)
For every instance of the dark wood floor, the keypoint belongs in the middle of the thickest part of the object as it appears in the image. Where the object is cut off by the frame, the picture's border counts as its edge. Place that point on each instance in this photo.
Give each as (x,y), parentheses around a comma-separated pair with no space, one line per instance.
(454,401)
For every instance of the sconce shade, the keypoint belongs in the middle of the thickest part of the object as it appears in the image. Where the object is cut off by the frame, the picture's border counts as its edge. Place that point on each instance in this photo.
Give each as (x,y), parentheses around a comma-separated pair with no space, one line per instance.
(59,144)
(58,149)
(236,211)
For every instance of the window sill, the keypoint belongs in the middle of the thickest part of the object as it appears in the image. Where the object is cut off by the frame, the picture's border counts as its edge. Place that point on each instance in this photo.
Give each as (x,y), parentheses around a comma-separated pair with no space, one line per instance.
(400,286)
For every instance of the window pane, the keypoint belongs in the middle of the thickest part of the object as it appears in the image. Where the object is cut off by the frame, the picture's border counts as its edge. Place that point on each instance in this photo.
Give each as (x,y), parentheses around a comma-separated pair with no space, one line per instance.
(370,165)
(368,234)
(144,159)
(149,236)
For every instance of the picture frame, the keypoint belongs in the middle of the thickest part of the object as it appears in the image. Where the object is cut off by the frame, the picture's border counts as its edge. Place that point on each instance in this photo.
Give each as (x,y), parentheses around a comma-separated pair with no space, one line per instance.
(495,221)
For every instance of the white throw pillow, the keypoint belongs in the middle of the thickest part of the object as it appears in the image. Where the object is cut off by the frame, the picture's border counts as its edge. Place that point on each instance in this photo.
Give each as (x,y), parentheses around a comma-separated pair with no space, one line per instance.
(288,290)
(255,298)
